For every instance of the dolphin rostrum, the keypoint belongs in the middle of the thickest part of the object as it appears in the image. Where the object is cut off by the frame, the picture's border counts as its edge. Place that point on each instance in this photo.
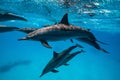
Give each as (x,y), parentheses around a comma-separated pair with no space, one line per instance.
(57,60)
(10,16)
(61,31)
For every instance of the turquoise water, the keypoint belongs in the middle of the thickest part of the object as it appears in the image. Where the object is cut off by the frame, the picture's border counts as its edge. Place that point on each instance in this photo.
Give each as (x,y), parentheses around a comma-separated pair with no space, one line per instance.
(33,57)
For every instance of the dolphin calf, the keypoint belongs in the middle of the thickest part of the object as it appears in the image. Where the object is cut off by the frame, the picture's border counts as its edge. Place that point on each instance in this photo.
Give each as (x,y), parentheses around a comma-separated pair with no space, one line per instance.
(10,16)
(57,60)
(60,31)
(69,57)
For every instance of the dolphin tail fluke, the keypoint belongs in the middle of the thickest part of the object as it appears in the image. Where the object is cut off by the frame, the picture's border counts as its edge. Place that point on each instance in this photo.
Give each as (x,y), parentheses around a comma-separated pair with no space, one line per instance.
(24,38)
(103,50)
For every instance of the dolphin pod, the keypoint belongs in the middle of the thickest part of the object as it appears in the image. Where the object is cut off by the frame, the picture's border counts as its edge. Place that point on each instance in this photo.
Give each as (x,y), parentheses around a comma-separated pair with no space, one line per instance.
(64,30)
(59,59)
(56,32)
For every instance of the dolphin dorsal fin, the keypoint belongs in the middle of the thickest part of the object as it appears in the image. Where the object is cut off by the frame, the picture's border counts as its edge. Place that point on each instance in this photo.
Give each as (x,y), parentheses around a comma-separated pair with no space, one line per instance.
(55,54)
(64,20)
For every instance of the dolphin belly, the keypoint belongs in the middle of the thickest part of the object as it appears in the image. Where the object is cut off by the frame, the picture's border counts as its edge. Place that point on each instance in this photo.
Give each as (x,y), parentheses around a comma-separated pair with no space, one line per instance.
(59,35)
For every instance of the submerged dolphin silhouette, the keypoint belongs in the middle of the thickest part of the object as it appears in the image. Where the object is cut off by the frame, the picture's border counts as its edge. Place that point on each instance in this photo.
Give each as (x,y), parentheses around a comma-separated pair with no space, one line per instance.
(8,67)
(4,28)
(69,57)
(10,16)
(57,60)
(61,31)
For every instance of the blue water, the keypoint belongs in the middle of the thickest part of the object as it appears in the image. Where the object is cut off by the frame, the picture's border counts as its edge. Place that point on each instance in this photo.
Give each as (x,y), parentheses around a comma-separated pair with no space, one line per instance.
(91,65)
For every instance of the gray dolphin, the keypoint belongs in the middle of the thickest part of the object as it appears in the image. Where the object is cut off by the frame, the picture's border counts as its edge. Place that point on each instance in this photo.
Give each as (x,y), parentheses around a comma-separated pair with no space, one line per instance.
(85,40)
(29,30)
(4,28)
(69,57)
(10,16)
(61,31)
(57,60)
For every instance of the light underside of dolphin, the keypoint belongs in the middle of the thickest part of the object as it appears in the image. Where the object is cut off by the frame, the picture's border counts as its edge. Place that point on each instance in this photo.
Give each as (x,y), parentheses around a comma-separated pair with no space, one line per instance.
(57,60)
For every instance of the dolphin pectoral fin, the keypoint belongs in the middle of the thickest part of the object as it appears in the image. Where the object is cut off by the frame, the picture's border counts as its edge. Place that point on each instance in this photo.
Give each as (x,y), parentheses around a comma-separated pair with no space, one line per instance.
(66,64)
(54,71)
(104,50)
(45,43)
(64,20)
(71,40)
